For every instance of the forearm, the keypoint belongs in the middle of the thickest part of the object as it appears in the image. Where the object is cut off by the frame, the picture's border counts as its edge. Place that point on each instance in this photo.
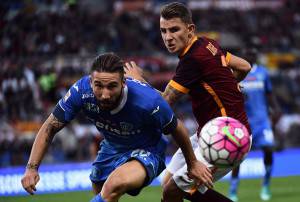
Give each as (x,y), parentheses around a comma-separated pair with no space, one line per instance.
(239,66)
(39,148)
(171,95)
(181,137)
(42,141)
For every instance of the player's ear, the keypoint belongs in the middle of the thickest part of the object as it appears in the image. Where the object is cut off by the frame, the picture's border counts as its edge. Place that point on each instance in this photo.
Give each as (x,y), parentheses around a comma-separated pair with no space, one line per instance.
(191,30)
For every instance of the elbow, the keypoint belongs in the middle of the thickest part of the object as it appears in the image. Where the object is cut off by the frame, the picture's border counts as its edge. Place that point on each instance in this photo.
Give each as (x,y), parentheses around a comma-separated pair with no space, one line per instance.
(247,67)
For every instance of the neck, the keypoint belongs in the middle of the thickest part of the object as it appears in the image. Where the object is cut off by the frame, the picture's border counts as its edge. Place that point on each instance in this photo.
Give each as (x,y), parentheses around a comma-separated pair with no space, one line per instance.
(189,44)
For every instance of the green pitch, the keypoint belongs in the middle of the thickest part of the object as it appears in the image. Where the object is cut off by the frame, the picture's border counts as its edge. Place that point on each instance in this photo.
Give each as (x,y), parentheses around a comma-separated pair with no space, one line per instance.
(283,190)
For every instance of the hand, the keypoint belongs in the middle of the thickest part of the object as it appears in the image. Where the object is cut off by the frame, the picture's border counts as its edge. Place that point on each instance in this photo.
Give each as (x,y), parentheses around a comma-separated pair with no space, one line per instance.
(30,179)
(201,174)
(133,71)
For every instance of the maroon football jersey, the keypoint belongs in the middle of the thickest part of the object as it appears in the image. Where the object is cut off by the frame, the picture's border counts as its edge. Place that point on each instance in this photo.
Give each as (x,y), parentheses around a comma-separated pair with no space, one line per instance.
(202,72)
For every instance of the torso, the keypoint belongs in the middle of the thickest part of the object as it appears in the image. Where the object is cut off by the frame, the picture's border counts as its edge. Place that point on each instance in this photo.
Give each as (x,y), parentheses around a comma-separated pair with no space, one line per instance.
(210,83)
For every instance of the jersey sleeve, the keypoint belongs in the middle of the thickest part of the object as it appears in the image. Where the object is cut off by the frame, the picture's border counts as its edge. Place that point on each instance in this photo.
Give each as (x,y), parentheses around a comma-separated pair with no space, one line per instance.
(163,116)
(68,107)
(268,83)
(187,75)
(225,58)
(225,55)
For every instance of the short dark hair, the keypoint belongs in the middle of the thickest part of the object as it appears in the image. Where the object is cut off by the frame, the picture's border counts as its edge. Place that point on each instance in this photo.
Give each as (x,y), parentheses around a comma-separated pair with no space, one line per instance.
(108,62)
(176,10)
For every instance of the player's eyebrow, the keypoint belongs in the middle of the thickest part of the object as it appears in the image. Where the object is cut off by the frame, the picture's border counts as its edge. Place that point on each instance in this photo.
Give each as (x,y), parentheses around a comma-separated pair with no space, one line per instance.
(110,83)
(97,82)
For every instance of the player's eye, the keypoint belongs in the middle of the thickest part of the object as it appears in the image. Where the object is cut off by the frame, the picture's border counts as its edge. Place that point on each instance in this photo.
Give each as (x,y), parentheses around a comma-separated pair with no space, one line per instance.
(174,29)
(98,85)
(112,86)
(163,31)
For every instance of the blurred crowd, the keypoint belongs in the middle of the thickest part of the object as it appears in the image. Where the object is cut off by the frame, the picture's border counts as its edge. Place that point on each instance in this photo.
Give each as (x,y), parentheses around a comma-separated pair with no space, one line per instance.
(47,45)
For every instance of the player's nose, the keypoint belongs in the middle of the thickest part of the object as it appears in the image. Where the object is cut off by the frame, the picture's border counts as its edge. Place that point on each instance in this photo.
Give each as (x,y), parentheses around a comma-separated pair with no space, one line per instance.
(168,36)
(105,94)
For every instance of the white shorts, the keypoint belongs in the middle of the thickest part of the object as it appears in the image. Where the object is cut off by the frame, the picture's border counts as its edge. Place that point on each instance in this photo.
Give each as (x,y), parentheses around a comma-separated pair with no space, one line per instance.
(178,168)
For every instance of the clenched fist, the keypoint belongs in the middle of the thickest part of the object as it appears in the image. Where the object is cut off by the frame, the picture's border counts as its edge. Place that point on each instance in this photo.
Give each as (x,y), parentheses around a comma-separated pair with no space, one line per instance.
(30,179)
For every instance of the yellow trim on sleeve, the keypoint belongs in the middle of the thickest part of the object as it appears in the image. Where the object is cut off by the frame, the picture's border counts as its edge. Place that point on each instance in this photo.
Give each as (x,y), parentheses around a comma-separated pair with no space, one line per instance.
(228,57)
(179,87)
(189,46)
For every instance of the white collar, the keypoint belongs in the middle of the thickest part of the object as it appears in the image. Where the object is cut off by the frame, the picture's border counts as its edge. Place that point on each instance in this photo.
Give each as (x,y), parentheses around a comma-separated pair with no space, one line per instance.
(122,103)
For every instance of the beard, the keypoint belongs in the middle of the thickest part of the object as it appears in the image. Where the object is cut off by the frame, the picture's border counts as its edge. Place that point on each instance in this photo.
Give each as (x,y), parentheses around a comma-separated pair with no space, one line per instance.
(109,105)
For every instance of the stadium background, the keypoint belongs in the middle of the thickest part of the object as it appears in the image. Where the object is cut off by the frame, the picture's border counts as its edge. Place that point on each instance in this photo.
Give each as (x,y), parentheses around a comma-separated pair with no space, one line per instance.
(46,45)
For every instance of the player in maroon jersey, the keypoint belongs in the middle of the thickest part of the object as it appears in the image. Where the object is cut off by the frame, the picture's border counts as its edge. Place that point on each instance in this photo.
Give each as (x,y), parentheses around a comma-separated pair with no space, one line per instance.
(210,76)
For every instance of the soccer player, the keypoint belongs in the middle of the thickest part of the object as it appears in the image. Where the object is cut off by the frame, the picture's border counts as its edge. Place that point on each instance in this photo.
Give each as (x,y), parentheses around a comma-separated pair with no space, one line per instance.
(257,89)
(210,76)
(132,117)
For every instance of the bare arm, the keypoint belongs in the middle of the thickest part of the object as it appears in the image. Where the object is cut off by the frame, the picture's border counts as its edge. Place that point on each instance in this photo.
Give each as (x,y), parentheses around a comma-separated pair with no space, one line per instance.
(196,170)
(171,95)
(239,66)
(43,139)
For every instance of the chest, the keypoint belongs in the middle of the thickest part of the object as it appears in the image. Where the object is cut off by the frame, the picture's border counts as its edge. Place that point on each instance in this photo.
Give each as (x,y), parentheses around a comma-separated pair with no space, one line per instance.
(127,122)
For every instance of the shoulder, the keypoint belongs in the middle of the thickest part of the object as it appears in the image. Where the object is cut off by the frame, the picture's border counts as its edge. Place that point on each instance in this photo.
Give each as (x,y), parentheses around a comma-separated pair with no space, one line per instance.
(83,85)
(142,95)
(208,43)
(80,89)
(204,49)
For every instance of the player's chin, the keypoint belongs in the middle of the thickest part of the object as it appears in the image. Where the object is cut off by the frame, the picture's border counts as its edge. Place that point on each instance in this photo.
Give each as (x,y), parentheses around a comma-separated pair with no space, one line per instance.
(173,50)
(106,106)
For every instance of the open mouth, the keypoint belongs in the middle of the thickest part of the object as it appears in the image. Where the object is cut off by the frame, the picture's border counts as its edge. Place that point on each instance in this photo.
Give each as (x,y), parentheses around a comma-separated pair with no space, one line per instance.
(171,47)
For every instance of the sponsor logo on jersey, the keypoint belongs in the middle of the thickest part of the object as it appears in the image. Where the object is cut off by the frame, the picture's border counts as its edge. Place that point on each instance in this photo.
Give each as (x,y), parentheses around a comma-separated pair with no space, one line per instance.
(253,85)
(124,129)
(91,107)
(87,95)
(212,48)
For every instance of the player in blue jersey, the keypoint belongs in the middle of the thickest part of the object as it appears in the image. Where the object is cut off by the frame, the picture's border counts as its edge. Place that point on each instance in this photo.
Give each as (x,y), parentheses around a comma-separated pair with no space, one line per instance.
(257,89)
(132,117)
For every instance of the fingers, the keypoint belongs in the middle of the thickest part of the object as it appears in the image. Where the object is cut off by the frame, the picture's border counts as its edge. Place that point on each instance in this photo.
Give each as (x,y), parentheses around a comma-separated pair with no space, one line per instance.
(208,180)
(132,70)
(26,183)
(127,66)
(29,182)
(32,184)
(131,65)
(205,179)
